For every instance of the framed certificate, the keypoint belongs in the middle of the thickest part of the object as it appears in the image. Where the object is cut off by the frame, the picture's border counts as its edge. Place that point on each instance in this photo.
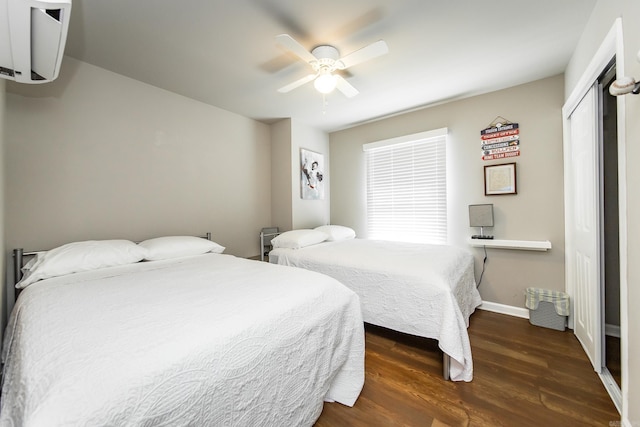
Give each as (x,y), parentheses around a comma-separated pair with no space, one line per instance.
(500,179)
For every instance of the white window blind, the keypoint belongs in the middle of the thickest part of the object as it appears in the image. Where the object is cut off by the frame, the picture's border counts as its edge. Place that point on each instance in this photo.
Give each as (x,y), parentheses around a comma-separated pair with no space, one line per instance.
(406,188)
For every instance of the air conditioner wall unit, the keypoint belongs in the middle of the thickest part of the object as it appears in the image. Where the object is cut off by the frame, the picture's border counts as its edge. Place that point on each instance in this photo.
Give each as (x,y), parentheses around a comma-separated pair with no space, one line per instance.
(32,39)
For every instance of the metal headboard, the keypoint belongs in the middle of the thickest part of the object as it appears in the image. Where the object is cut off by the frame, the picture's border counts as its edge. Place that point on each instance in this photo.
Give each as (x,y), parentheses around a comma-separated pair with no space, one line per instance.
(18,256)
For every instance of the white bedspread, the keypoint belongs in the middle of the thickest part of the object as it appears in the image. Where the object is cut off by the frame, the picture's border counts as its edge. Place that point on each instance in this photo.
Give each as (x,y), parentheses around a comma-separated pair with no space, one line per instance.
(211,340)
(424,290)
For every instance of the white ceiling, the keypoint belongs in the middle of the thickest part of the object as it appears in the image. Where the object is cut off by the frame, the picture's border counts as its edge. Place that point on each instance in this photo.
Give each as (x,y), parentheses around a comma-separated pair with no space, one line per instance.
(223,52)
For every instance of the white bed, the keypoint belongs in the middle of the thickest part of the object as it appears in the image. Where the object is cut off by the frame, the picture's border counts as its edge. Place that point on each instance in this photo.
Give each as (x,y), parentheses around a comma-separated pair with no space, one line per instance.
(423,290)
(201,340)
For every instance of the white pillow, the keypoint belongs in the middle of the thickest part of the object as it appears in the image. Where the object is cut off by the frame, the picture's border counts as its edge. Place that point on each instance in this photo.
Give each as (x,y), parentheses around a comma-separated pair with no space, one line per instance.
(178,246)
(296,239)
(337,232)
(80,256)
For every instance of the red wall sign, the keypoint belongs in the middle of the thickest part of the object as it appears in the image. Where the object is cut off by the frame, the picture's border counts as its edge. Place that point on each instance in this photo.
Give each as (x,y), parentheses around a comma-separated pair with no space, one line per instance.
(500,141)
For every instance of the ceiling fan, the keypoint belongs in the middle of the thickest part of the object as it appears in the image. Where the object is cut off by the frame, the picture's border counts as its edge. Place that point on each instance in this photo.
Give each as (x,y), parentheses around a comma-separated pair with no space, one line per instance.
(325,60)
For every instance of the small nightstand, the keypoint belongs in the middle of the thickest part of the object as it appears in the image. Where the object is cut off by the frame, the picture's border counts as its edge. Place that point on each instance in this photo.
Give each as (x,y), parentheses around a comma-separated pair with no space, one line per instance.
(266,234)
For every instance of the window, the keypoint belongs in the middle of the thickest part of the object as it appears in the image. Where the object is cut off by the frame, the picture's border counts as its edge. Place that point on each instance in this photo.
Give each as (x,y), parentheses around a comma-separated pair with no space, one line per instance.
(406,188)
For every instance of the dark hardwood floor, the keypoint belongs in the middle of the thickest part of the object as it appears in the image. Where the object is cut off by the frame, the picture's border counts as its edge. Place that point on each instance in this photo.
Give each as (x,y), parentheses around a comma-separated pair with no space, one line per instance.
(524,375)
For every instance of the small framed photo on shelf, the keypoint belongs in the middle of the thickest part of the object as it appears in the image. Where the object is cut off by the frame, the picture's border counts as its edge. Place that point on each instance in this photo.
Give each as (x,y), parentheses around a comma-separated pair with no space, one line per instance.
(500,179)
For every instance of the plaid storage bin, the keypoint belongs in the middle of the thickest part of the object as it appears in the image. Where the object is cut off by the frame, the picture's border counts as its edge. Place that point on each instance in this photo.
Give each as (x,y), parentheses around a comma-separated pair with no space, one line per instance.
(547,308)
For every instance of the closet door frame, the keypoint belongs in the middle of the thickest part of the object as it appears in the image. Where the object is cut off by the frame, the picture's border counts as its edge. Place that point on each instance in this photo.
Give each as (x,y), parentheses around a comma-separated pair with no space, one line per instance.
(612,46)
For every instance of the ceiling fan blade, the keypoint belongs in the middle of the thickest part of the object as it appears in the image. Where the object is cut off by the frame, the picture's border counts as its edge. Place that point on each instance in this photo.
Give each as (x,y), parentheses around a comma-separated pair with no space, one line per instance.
(374,50)
(345,87)
(288,42)
(297,83)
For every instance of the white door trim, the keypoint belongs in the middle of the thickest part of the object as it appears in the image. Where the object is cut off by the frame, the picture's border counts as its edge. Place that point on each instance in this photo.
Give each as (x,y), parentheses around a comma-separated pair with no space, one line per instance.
(611,45)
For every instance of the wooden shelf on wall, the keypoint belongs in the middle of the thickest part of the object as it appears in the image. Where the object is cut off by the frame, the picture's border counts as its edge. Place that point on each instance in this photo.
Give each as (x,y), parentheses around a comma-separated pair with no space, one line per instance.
(525,245)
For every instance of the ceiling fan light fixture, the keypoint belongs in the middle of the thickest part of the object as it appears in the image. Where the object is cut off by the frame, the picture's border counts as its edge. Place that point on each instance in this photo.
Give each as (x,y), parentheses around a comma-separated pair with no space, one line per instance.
(325,83)
(324,60)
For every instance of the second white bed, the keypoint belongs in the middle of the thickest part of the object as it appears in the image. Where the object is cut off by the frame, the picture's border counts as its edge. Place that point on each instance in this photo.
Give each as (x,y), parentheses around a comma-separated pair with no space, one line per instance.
(423,290)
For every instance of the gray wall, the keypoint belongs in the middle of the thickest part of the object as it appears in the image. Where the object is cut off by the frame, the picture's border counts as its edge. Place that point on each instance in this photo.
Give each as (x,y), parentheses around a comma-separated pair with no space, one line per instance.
(95,155)
(289,210)
(535,213)
(281,197)
(309,213)
(602,19)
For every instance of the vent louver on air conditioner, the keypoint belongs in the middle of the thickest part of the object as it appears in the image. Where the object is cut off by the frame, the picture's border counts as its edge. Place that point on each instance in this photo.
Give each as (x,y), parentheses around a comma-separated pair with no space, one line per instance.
(32,39)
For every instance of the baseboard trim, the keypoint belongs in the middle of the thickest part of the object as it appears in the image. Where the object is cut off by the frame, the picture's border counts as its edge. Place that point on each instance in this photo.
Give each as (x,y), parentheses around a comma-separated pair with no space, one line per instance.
(505,309)
(612,330)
